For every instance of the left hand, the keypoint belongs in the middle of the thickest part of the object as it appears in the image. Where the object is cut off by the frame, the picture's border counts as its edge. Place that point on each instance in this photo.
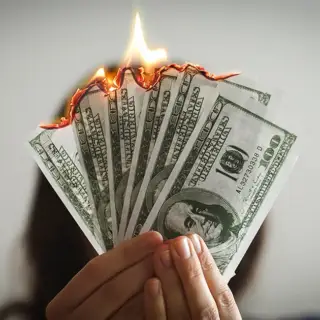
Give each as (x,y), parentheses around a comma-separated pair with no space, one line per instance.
(189,284)
(110,285)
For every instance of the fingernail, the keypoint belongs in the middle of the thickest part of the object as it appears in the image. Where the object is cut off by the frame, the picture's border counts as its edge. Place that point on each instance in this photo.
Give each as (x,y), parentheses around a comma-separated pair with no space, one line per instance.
(155,288)
(182,248)
(196,243)
(165,258)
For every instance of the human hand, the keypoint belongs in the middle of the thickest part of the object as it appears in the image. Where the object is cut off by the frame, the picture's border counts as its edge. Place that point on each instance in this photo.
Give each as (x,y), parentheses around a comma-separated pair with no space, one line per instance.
(110,286)
(188,284)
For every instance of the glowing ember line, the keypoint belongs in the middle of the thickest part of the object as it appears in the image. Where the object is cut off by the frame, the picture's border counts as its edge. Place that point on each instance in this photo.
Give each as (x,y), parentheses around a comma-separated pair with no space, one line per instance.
(140,77)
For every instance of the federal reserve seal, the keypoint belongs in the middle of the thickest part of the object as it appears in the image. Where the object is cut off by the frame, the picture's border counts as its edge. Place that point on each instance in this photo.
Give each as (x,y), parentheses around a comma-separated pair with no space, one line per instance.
(233,159)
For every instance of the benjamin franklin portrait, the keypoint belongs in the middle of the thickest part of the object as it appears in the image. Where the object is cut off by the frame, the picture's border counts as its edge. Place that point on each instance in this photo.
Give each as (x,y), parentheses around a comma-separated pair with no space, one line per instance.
(199,211)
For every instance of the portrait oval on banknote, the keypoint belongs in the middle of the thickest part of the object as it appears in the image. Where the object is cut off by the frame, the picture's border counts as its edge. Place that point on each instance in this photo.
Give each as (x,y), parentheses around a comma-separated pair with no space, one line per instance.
(155,186)
(200,211)
(104,219)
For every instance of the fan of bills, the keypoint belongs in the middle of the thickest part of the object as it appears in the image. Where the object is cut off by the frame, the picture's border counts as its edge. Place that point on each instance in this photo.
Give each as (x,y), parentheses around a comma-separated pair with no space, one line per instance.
(188,154)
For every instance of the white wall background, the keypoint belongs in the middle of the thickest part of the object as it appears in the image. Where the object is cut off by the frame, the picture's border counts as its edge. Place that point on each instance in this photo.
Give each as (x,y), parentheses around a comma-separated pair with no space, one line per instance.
(46,46)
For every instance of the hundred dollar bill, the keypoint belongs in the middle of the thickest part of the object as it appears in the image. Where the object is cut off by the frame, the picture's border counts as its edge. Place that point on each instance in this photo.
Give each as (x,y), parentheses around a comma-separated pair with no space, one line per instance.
(88,125)
(192,94)
(154,106)
(225,181)
(122,114)
(248,86)
(56,154)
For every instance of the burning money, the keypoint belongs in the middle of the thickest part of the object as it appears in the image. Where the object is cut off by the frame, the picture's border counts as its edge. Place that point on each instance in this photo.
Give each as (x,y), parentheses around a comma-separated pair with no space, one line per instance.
(174,149)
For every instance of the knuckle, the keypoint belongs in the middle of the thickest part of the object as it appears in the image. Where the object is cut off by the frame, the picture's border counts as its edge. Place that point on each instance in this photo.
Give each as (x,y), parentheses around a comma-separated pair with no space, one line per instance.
(207,262)
(52,311)
(209,313)
(92,267)
(193,272)
(94,270)
(225,299)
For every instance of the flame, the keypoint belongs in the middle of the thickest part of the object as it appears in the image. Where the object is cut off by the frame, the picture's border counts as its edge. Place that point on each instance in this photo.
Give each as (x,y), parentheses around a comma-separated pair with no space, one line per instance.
(145,76)
(100,74)
(107,85)
(139,45)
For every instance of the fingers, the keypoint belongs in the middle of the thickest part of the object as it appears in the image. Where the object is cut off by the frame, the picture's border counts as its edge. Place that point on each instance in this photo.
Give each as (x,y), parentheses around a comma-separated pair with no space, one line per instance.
(100,270)
(153,300)
(132,308)
(116,292)
(200,300)
(176,306)
(217,285)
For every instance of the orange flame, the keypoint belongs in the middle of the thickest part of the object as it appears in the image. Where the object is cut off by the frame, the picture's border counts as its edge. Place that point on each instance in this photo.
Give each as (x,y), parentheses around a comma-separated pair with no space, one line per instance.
(144,77)
(138,45)
(100,74)
(139,75)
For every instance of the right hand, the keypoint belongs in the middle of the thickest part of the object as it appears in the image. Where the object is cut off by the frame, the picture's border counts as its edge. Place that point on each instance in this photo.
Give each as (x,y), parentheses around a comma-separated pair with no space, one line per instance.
(189,284)
(110,286)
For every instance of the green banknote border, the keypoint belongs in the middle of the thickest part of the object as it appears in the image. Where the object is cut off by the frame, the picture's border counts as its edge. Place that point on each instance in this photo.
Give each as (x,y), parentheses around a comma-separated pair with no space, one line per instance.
(283,150)
(84,215)
(100,198)
(287,147)
(175,115)
(264,97)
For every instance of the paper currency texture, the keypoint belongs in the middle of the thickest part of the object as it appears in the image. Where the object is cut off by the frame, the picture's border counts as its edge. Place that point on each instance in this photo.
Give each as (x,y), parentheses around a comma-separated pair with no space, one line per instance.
(188,154)
(226,171)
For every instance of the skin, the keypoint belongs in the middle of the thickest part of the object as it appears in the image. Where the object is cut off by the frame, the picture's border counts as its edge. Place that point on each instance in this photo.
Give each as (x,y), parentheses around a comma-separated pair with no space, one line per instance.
(188,284)
(144,278)
(111,285)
